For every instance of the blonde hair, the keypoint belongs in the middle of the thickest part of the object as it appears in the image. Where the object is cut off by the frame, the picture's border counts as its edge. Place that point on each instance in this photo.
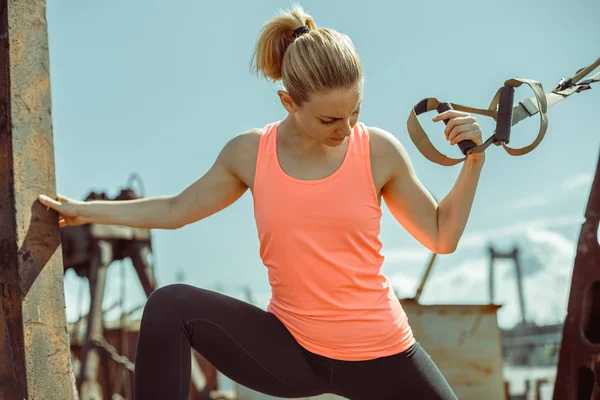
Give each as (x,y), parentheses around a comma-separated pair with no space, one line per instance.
(320,60)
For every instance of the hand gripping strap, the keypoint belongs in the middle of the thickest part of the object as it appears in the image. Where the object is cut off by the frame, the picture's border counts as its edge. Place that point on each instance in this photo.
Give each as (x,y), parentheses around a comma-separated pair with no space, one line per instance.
(421,140)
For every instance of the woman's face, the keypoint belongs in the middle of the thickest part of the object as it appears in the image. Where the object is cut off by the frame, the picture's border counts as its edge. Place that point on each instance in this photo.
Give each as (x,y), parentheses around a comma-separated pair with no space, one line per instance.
(329,117)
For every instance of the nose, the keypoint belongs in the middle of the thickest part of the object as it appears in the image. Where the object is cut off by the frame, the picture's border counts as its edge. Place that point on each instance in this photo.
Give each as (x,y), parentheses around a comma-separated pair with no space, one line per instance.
(347,128)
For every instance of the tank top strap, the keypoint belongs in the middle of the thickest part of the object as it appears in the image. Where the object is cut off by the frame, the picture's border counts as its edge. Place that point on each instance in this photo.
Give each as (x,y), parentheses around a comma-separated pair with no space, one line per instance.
(361,144)
(267,143)
(361,160)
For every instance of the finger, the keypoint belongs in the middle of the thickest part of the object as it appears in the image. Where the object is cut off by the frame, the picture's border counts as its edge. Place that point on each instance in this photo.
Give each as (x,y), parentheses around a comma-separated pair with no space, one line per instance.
(456,122)
(48,202)
(449,114)
(463,128)
(457,130)
(62,222)
(474,136)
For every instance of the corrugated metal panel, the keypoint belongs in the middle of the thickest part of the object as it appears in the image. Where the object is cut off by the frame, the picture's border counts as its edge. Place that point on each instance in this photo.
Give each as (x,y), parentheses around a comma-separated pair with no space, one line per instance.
(465,343)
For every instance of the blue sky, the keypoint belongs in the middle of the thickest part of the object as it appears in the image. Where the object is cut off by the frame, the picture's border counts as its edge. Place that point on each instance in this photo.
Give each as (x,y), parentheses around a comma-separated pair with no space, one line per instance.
(157,88)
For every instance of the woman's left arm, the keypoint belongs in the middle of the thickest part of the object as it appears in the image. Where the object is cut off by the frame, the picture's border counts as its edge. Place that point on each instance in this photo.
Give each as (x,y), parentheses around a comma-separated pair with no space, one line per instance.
(439,227)
(454,209)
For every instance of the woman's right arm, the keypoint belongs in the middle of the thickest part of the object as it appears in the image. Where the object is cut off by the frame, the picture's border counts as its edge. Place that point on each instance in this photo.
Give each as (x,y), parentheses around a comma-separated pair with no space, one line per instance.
(215,190)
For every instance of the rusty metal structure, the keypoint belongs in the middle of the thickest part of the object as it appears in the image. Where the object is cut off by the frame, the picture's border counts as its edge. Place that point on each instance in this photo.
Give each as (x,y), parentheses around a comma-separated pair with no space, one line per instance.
(578,375)
(104,355)
(514,256)
(89,250)
(34,350)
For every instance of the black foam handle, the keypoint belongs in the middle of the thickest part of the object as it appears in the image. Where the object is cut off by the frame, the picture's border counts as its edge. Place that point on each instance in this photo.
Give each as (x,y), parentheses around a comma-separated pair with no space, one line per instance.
(504,118)
(464,145)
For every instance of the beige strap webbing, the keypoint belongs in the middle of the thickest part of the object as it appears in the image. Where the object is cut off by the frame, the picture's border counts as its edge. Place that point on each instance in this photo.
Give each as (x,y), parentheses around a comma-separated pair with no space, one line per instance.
(526,108)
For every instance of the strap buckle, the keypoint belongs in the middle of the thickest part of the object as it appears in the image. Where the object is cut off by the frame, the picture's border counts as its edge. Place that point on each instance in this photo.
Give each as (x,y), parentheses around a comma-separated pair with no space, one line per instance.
(564,84)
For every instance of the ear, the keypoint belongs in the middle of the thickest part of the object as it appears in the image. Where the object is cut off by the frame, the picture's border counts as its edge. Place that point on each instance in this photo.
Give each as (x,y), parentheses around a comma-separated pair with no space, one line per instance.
(287,102)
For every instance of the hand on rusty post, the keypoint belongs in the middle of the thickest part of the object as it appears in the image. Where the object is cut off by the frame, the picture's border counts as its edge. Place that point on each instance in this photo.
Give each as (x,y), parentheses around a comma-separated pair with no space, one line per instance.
(67,209)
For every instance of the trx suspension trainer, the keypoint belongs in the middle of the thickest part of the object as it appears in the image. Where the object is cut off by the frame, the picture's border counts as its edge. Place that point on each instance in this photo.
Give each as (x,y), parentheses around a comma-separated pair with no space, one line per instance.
(503,112)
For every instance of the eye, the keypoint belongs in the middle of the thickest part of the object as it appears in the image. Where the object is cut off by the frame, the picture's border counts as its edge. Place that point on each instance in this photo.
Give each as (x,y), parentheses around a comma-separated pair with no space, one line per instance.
(355,113)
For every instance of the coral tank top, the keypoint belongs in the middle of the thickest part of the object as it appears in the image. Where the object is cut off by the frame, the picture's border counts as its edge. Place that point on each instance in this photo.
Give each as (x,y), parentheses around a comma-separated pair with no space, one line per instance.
(319,240)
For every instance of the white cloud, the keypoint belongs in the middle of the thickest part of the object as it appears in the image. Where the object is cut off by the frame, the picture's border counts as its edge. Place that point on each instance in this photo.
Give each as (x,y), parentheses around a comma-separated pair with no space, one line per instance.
(482,238)
(576,182)
(406,255)
(404,284)
(465,282)
(547,261)
(531,202)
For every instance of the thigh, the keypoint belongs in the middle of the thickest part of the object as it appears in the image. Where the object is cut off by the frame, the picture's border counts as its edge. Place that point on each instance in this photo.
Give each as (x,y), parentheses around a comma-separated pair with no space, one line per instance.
(247,344)
(408,375)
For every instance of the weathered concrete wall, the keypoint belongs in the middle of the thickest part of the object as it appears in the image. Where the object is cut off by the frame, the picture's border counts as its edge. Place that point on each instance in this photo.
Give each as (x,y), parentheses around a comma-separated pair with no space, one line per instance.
(34,348)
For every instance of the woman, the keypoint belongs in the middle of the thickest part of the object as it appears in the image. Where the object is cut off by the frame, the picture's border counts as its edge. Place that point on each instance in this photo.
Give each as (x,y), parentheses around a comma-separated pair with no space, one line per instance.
(333,324)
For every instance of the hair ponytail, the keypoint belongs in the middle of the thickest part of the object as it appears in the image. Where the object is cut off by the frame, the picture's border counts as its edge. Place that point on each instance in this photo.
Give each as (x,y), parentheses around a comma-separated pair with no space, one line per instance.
(321,59)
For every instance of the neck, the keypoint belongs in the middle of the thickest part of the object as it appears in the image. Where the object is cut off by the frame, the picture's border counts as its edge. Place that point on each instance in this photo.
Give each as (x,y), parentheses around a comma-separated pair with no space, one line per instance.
(293,134)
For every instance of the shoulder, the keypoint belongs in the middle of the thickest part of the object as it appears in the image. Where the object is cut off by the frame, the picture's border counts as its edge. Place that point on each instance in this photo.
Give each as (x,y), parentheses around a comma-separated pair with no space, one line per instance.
(240,153)
(385,145)
(388,156)
(241,146)
(244,141)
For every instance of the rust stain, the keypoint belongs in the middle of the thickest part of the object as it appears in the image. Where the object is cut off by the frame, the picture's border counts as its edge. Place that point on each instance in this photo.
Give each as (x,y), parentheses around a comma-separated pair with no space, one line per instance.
(37,343)
(576,356)
(464,334)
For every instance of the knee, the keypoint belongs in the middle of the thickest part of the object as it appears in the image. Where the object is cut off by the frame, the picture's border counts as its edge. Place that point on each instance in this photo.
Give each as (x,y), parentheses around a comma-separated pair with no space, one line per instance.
(163,302)
(168,291)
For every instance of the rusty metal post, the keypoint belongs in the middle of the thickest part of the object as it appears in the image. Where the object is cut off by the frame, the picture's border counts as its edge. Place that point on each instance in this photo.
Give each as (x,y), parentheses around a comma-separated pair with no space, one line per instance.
(491,280)
(511,255)
(425,277)
(140,254)
(35,359)
(87,381)
(578,374)
(520,291)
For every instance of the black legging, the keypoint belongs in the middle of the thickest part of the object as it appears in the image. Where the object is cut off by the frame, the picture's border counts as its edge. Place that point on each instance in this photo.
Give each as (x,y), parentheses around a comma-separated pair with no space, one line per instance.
(253,348)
